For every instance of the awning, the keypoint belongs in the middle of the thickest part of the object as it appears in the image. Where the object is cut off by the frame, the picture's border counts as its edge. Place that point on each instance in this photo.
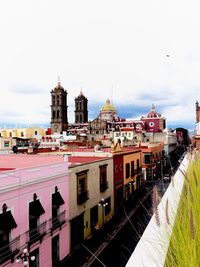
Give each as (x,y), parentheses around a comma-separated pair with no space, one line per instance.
(35,208)
(57,199)
(7,222)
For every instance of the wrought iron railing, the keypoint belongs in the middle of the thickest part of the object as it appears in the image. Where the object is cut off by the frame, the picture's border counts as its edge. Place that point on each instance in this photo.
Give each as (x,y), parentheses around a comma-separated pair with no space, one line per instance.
(33,235)
(58,221)
(9,250)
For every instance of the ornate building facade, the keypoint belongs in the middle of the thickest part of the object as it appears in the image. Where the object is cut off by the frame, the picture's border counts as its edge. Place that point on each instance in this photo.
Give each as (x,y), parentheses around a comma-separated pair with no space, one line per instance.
(154,122)
(108,112)
(59,118)
(81,109)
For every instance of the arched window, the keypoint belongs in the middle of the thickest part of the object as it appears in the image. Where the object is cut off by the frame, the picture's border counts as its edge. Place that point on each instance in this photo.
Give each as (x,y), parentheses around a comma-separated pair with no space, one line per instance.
(58,114)
(54,114)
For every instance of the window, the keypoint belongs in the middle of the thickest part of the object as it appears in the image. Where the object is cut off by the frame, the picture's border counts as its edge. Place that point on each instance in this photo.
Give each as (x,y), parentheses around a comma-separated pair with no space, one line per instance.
(36,133)
(4,244)
(57,218)
(55,251)
(82,193)
(107,206)
(35,211)
(6,144)
(103,178)
(138,166)
(34,263)
(132,168)
(94,216)
(7,223)
(127,170)
(0,134)
(22,134)
(147,159)
(10,134)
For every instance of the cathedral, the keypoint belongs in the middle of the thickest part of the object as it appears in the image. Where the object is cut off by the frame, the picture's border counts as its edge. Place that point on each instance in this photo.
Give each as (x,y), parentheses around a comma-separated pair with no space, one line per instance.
(59,118)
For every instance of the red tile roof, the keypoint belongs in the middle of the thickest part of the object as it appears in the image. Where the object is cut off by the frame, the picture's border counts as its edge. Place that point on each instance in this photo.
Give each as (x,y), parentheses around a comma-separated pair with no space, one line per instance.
(81,159)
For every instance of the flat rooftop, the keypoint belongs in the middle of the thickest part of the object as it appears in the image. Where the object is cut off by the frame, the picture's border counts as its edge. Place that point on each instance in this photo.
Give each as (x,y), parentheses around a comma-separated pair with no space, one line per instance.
(16,161)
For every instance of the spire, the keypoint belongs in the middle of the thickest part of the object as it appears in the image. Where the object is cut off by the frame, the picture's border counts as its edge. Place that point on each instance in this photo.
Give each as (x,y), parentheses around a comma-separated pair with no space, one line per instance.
(59,84)
(153,108)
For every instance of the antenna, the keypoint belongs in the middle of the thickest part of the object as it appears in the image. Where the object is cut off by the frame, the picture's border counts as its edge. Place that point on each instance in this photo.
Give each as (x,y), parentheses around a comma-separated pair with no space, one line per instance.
(111,97)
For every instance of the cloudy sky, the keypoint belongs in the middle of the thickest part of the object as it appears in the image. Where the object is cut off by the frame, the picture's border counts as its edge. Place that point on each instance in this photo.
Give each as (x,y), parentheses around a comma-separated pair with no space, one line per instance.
(135,52)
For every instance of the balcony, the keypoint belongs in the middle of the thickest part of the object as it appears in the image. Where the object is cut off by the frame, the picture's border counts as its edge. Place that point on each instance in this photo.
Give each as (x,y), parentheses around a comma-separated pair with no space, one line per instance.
(8,251)
(58,221)
(82,197)
(103,186)
(33,235)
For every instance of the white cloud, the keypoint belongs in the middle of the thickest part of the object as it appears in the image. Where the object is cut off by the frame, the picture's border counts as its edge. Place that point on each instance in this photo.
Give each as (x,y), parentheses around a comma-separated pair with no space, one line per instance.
(99,45)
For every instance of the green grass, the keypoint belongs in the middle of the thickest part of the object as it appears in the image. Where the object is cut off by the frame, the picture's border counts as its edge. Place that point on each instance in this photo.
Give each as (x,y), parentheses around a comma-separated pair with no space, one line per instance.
(184,246)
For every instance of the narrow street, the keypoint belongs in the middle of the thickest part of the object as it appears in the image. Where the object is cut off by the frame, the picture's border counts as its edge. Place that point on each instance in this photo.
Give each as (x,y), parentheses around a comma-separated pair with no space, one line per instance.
(114,243)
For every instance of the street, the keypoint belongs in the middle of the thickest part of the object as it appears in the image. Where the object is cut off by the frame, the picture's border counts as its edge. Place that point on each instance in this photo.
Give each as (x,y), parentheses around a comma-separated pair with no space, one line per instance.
(113,245)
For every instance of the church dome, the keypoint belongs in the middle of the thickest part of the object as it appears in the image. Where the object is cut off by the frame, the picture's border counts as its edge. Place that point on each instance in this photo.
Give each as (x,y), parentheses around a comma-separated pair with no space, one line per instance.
(108,106)
(153,113)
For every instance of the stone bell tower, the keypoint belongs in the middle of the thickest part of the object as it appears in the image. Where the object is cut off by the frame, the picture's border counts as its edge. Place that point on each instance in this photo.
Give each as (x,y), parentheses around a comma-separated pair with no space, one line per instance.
(59,120)
(81,109)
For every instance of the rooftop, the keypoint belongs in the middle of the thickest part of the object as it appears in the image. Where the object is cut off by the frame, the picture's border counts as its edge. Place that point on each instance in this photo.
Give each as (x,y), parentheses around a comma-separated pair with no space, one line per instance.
(13,161)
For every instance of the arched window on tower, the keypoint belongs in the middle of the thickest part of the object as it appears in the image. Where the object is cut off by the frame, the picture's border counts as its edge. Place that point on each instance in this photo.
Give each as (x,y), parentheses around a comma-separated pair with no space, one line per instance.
(76,118)
(80,118)
(58,114)
(54,114)
(53,100)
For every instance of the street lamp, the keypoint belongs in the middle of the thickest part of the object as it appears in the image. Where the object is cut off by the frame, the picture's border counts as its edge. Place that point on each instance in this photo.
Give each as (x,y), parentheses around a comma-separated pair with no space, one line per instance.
(103,204)
(24,257)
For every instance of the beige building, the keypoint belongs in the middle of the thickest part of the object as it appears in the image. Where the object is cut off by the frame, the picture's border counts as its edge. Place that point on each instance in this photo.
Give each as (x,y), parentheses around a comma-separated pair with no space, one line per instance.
(91,196)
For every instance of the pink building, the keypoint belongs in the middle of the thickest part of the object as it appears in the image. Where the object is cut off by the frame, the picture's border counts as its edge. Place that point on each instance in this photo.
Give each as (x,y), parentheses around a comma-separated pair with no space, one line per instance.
(34,212)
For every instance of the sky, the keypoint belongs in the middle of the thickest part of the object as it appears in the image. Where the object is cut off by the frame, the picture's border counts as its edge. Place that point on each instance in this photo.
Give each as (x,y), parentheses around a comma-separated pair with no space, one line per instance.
(136,53)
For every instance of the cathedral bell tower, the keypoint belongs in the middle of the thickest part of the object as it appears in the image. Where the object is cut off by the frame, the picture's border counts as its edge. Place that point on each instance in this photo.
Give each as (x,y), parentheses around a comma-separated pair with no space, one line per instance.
(59,120)
(81,110)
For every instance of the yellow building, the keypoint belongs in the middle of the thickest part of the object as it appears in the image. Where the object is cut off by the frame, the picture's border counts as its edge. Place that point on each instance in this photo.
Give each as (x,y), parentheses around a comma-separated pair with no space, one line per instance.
(32,132)
(132,172)
(8,137)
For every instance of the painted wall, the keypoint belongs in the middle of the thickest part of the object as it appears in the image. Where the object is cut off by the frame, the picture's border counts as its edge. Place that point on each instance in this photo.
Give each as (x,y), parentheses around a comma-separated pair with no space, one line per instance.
(17,189)
(95,195)
(127,159)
